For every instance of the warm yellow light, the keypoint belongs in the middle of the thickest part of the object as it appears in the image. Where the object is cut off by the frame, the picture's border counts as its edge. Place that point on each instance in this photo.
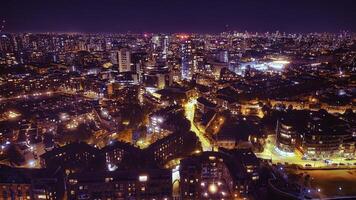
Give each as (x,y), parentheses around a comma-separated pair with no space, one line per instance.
(13,114)
(281,62)
(213,188)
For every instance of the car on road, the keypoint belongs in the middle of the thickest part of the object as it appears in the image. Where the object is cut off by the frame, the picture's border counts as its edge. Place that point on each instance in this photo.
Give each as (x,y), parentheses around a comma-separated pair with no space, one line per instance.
(327,161)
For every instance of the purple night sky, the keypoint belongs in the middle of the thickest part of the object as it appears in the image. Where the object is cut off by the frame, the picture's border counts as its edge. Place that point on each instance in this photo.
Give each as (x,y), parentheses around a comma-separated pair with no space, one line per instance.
(178,15)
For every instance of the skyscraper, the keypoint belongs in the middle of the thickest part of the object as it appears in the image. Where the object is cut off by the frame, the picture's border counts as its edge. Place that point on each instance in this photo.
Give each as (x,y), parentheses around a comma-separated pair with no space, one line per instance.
(187,64)
(124,60)
(223,56)
(165,47)
(114,57)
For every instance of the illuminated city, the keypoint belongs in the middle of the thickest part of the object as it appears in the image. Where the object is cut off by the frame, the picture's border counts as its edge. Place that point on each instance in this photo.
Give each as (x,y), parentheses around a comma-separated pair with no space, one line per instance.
(181,100)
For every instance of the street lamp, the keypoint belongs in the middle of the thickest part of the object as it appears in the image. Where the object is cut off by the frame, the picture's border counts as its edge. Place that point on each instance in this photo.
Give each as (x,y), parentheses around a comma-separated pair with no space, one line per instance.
(213,188)
(31,163)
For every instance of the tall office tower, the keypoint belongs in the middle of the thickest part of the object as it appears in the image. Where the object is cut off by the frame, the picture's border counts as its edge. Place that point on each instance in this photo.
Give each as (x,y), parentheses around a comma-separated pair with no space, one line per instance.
(187,64)
(114,57)
(158,75)
(6,44)
(165,47)
(156,42)
(124,60)
(223,56)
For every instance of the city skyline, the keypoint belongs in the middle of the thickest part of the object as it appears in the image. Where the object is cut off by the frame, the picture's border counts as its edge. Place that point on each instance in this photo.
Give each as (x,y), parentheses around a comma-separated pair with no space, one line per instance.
(184,16)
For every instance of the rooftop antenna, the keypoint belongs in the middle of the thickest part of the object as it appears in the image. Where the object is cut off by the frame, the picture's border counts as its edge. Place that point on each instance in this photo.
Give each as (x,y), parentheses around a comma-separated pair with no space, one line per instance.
(2,29)
(227,28)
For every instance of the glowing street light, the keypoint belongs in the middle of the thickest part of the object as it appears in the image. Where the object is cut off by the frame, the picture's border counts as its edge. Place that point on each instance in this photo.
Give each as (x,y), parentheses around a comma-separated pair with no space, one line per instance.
(32,163)
(213,188)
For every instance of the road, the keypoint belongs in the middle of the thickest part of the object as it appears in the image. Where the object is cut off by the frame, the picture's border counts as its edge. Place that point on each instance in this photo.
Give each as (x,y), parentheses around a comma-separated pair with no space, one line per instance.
(189,114)
(277,156)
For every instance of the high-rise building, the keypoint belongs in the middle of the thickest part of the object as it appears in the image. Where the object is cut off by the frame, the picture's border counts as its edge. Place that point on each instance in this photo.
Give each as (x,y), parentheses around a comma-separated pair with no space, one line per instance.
(187,64)
(124,60)
(165,46)
(213,175)
(223,56)
(6,43)
(156,41)
(114,57)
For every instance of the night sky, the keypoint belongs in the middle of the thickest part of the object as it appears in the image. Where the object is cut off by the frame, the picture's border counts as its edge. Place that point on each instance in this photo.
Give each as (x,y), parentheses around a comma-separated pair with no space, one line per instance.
(178,15)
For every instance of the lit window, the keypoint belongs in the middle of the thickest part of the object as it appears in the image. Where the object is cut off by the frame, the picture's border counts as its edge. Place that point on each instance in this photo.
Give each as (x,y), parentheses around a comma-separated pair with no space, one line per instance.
(143,178)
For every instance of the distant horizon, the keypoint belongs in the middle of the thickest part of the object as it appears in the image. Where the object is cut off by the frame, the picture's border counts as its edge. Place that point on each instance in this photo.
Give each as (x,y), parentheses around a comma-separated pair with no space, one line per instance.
(195,16)
(179,32)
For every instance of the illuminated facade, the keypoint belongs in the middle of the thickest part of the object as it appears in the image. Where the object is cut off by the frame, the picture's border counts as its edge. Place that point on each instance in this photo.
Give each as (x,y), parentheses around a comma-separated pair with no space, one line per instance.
(326,142)
(187,66)
(174,146)
(121,185)
(286,136)
(155,124)
(124,60)
(317,135)
(212,175)
(73,157)
(22,183)
(116,152)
